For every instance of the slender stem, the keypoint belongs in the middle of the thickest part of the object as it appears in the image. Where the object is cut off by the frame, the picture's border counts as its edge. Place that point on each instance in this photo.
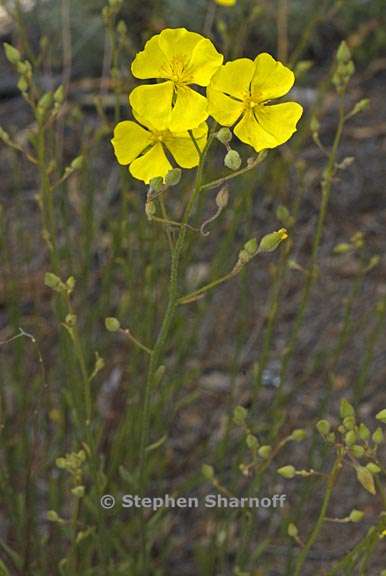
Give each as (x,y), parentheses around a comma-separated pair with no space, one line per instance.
(220,181)
(158,349)
(137,342)
(188,298)
(322,515)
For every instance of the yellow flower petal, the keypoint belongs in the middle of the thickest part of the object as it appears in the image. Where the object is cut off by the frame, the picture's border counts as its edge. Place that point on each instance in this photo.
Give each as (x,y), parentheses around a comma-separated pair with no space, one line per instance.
(129,141)
(225,110)
(271,79)
(152,104)
(151,62)
(268,126)
(204,62)
(151,165)
(189,111)
(226,2)
(182,147)
(234,78)
(178,44)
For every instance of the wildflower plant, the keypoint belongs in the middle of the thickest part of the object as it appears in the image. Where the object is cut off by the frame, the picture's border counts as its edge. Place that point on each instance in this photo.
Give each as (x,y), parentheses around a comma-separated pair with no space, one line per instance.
(173,129)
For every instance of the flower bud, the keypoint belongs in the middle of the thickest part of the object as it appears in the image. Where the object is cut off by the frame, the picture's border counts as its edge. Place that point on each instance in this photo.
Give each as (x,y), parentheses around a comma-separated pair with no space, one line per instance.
(264,451)
(12,54)
(373,468)
(323,427)
(356,515)
(173,177)
(59,95)
(239,415)
(292,530)
(357,450)
(224,135)
(232,160)
(346,409)
(349,422)
(350,438)
(298,435)
(112,324)
(251,441)
(343,54)
(271,241)
(78,491)
(378,436)
(287,472)
(381,416)
(54,282)
(251,246)
(364,432)
(207,471)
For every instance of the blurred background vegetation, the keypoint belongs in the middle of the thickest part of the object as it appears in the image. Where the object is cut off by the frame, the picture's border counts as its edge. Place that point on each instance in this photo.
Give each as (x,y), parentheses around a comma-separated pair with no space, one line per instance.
(226,350)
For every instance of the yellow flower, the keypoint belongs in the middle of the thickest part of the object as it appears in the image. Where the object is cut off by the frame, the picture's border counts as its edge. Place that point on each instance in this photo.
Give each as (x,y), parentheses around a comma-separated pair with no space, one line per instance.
(181,58)
(226,2)
(144,145)
(241,91)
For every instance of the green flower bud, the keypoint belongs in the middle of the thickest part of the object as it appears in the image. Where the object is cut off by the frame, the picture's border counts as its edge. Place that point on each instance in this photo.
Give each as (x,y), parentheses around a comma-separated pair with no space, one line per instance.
(252,441)
(232,160)
(224,135)
(364,432)
(112,324)
(207,471)
(323,427)
(12,54)
(350,438)
(271,241)
(264,451)
(381,416)
(78,491)
(46,101)
(287,472)
(53,516)
(59,95)
(373,468)
(251,246)
(343,54)
(349,422)
(360,106)
(331,437)
(54,282)
(342,248)
(378,436)
(365,478)
(77,163)
(346,409)
(356,515)
(357,450)
(239,415)
(292,530)
(173,177)
(298,435)
(22,84)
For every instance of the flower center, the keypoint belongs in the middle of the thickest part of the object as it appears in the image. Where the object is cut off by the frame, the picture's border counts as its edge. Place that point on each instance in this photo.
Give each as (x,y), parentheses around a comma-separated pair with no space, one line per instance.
(252,100)
(179,71)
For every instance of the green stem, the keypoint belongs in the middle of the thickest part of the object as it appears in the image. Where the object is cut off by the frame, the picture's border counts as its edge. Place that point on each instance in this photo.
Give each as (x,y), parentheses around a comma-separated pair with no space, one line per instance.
(158,349)
(188,298)
(322,515)
(220,181)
